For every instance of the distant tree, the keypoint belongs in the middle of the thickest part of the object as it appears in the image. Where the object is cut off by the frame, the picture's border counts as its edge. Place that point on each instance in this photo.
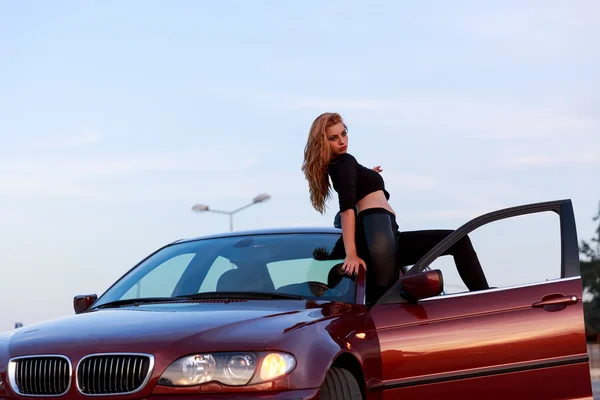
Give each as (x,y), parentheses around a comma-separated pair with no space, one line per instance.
(590,276)
(591,251)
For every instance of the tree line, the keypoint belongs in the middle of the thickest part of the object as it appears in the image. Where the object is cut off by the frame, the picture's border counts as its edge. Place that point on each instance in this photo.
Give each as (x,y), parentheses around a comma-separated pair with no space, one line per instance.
(590,276)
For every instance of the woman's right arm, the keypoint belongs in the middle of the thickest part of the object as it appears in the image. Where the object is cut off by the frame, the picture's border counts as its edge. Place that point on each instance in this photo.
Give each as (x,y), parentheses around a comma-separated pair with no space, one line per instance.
(348,231)
(352,262)
(344,177)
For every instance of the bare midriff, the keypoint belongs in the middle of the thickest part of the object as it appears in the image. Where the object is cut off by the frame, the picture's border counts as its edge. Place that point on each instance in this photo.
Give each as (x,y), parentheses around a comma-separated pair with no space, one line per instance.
(374,200)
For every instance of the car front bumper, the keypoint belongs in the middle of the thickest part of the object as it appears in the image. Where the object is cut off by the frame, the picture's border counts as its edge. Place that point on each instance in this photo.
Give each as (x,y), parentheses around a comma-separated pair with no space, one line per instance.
(306,394)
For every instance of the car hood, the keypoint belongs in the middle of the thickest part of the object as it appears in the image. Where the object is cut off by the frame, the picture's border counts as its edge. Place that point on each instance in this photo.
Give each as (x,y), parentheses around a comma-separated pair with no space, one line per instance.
(214,326)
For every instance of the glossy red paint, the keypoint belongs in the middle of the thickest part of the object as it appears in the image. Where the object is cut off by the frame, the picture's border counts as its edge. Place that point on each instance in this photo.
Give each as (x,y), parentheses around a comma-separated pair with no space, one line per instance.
(516,385)
(478,335)
(205,327)
(308,394)
(525,342)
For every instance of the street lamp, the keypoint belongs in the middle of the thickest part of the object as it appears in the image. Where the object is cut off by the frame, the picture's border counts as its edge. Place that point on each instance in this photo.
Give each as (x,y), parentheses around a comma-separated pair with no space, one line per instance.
(261,198)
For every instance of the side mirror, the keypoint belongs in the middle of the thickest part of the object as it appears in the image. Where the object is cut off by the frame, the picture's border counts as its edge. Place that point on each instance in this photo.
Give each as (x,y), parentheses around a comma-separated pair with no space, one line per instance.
(82,302)
(422,285)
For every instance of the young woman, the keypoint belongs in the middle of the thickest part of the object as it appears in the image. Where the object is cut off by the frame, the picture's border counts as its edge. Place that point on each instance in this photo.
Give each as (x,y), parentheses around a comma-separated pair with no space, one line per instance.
(369,228)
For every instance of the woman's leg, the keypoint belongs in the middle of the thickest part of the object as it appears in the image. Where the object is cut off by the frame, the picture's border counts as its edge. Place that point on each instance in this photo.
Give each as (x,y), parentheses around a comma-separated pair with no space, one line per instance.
(378,249)
(413,245)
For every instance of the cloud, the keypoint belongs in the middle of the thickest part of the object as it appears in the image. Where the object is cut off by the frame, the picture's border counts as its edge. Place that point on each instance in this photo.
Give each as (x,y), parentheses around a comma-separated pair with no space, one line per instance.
(462,203)
(546,22)
(534,31)
(585,156)
(15,186)
(451,214)
(48,142)
(444,114)
(410,181)
(322,103)
(84,138)
(91,175)
(109,165)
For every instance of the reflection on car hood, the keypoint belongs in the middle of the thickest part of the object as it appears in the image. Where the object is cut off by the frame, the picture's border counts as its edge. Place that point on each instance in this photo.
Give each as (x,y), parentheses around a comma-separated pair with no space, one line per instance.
(208,325)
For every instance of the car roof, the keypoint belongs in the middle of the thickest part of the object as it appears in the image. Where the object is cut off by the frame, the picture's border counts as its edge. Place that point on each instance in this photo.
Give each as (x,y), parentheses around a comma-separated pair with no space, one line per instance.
(266,231)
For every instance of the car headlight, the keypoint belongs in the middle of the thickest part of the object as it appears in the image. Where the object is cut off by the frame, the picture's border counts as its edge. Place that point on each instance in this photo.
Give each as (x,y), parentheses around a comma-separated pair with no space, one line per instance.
(233,368)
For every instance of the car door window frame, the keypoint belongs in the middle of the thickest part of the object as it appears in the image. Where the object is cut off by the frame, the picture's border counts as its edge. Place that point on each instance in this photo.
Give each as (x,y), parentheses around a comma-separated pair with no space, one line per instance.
(569,263)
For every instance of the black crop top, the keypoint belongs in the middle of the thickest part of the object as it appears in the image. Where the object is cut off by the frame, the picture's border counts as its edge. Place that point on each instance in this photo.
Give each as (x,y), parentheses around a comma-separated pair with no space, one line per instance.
(352,181)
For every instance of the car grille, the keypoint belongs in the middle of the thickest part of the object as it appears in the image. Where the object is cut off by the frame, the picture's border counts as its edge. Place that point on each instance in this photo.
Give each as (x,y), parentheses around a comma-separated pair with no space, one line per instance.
(41,375)
(104,374)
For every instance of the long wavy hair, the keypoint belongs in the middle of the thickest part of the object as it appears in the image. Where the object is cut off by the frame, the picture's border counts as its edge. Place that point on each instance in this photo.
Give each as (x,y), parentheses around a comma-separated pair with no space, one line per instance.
(317,155)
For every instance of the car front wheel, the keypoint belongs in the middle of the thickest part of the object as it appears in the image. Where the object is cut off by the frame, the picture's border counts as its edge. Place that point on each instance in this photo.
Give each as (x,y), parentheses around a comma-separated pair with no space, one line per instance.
(340,385)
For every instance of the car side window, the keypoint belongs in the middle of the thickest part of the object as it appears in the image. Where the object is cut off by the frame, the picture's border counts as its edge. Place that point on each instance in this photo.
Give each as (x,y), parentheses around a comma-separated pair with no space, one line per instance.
(514,251)
(161,281)
(218,268)
(289,272)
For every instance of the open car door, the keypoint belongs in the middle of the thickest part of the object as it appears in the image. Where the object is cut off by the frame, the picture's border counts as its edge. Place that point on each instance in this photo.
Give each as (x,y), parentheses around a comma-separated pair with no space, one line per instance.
(525,340)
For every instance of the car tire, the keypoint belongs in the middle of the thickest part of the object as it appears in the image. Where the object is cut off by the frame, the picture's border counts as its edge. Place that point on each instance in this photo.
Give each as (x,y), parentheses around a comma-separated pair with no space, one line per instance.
(340,384)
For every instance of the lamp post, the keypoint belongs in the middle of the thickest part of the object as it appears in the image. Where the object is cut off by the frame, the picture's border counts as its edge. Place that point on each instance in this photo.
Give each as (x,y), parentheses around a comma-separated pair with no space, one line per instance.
(261,198)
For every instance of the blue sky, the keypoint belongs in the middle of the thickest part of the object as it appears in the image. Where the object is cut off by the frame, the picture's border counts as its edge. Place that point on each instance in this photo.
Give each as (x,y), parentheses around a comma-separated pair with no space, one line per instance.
(116,117)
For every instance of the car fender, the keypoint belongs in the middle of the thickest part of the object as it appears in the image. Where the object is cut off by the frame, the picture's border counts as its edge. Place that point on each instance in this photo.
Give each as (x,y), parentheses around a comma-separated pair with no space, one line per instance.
(316,348)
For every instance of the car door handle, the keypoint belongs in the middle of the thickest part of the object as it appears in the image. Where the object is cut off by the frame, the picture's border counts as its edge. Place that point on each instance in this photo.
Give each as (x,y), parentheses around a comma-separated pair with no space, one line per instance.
(555,300)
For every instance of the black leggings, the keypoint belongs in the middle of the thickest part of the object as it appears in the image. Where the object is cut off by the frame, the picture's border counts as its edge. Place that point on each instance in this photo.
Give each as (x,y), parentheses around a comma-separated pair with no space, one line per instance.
(387,251)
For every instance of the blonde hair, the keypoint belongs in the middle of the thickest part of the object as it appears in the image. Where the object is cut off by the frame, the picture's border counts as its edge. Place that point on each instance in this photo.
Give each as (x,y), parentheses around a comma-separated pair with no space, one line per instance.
(317,155)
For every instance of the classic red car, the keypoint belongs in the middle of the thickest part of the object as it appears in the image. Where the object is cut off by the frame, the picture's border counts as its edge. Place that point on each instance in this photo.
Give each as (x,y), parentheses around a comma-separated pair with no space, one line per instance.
(267,314)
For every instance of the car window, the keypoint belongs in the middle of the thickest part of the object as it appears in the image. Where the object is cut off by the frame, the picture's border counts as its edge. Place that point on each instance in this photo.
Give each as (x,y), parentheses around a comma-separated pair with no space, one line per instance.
(300,264)
(303,276)
(161,281)
(302,270)
(216,270)
(514,251)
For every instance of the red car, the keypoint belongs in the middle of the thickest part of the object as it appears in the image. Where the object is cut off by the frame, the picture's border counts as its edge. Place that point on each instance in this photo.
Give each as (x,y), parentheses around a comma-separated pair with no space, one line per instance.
(267,314)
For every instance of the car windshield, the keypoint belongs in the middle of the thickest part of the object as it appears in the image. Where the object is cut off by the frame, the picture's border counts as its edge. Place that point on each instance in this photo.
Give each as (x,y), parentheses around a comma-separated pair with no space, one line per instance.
(305,265)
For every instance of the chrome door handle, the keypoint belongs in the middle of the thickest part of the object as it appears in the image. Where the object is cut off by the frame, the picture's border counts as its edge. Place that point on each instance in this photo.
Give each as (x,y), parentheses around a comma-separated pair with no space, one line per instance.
(555,300)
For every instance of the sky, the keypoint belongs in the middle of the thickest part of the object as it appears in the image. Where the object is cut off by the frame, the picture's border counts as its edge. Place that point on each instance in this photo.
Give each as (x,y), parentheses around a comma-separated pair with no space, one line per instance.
(116,117)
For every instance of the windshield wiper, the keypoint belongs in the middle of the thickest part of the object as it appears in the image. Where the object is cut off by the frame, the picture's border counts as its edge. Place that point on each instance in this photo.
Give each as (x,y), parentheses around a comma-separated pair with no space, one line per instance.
(127,302)
(241,295)
(199,296)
